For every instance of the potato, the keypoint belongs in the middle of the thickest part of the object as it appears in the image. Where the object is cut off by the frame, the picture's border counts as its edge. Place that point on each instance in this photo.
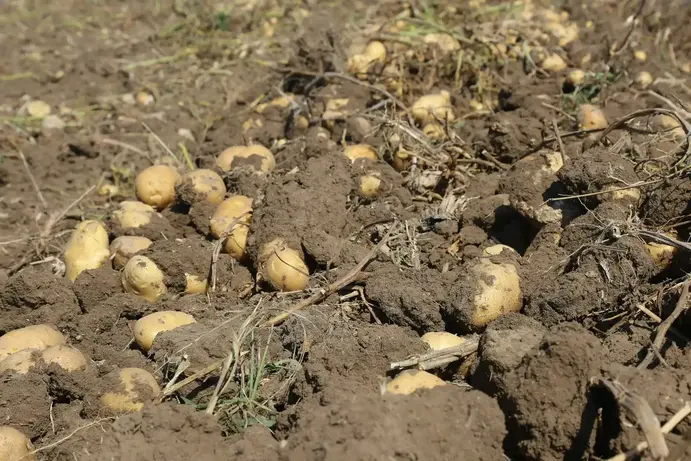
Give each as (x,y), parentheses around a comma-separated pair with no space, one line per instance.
(256,156)
(15,446)
(130,399)
(409,381)
(66,357)
(431,107)
(202,185)
(285,269)
(591,117)
(374,53)
(644,79)
(632,194)
(498,291)
(497,249)
(439,340)
(142,277)
(358,151)
(434,131)
(147,327)
(553,63)
(155,185)
(20,362)
(86,249)
(640,55)
(195,284)
(369,185)
(401,160)
(662,253)
(668,124)
(576,77)
(133,214)
(236,243)
(446,42)
(124,247)
(236,209)
(37,337)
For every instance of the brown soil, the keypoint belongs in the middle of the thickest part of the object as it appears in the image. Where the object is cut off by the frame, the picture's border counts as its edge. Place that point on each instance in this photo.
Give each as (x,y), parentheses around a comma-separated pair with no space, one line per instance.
(133,84)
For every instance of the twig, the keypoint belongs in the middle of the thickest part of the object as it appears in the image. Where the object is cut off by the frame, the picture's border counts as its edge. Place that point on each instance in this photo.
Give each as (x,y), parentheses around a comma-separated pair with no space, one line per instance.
(631,29)
(68,436)
(124,145)
(666,429)
(353,275)
(639,409)
(667,324)
(559,141)
(218,245)
(160,141)
(27,168)
(436,359)
(180,384)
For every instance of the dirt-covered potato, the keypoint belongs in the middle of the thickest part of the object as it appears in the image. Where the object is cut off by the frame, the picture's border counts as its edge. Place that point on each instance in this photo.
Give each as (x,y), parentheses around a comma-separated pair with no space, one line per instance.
(146,328)
(369,185)
(553,63)
(255,156)
(409,381)
(136,386)
(38,337)
(86,249)
(124,247)
(360,63)
(132,214)
(142,277)
(357,151)
(66,357)
(497,291)
(662,253)
(235,211)
(284,267)
(195,284)
(15,446)
(156,184)
(439,340)
(433,107)
(20,362)
(498,249)
(201,185)
(591,117)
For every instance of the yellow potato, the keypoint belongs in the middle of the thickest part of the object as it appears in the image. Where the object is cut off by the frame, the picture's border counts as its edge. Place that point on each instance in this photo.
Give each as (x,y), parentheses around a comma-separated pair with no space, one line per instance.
(644,79)
(86,249)
(591,117)
(431,107)
(286,270)
(133,380)
(434,130)
(553,63)
(146,328)
(133,214)
(358,151)
(155,185)
(576,77)
(142,277)
(236,243)
(446,42)
(668,125)
(66,357)
(374,53)
(194,284)
(236,209)
(369,185)
(497,249)
(409,381)
(19,362)
(15,446)
(401,160)
(204,185)
(124,247)
(439,340)
(256,156)
(37,337)
(498,291)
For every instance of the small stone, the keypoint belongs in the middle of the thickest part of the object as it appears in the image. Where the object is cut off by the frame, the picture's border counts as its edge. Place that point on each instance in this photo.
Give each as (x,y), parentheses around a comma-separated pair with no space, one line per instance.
(37,108)
(186,133)
(52,122)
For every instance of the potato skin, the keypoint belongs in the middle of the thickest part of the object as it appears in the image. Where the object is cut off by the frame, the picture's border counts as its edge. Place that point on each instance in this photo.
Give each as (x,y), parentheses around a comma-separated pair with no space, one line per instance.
(142,277)
(256,156)
(155,186)
(14,445)
(201,185)
(37,337)
(409,381)
(286,270)
(129,400)
(146,328)
(86,249)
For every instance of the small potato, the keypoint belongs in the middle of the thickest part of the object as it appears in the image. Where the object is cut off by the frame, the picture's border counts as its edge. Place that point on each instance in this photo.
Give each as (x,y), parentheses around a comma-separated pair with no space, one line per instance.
(591,117)
(446,42)
(409,381)
(374,53)
(433,107)
(202,185)
(236,243)
(15,446)
(401,160)
(139,386)
(66,357)
(86,249)
(440,340)
(497,249)
(19,362)
(255,156)
(37,337)
(576,77)
(236,209)
(155,185)
(194,284)
(644,79)
(286,270)
(434,131)
(369,185)
(142,277)
(358,151)
(147,327)
(498,291)
(553,63)
(124,247)
(133,214)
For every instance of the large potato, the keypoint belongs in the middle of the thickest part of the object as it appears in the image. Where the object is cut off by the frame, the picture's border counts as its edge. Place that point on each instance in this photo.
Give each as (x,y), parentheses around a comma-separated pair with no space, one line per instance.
(37,337)
(155,185)
(498,291)
(139,386)
(133,214)
(256,156)
(66,357)
(86,249)
(146,328)
(202,185)
(15,446)
(124,247)
(433,107)
(409,381)
(286,270)
(236,209)
(142,277)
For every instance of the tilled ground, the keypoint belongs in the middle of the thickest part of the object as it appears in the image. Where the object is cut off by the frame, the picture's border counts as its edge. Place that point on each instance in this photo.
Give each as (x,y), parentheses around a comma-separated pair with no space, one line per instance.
(587,210)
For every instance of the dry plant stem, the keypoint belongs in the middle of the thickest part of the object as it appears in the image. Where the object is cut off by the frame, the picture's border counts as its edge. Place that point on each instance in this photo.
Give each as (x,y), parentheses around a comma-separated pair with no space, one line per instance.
(619,49)
(218,245)
(160,141)
(32,179)
(69,436)
(667,324)
(639,410)
(678,417)
(440,358)
(353,275)
(199,374)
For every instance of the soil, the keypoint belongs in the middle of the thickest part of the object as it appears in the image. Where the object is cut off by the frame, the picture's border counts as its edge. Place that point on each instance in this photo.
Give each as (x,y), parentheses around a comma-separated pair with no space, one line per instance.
(133,84)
